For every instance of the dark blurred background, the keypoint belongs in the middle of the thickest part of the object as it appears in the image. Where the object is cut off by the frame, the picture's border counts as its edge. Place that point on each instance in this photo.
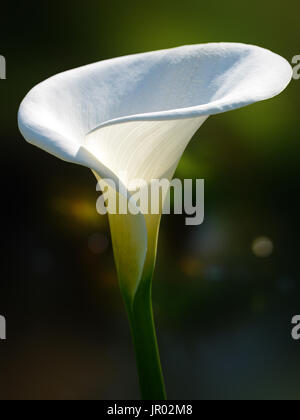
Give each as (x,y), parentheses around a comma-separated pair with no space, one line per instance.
(223,297)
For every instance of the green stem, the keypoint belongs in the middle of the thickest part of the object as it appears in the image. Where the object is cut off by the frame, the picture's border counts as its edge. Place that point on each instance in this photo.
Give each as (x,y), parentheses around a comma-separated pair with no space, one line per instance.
(145,343)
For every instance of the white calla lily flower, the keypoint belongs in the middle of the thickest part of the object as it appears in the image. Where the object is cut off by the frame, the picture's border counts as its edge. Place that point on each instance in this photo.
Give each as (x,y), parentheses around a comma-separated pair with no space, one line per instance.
(137,114)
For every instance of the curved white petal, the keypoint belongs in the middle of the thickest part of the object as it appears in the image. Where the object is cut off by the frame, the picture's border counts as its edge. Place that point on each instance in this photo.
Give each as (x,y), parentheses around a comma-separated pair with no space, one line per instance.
(143,150)
(180,83)
(136,115)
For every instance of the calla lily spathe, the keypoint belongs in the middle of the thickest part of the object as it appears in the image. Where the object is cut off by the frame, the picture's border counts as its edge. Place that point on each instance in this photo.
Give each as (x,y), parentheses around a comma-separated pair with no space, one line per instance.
(136,115)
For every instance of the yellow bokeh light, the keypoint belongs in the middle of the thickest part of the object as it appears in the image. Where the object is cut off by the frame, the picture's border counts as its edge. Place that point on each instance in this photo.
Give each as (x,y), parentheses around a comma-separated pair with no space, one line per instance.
(262,247)
(82,210)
